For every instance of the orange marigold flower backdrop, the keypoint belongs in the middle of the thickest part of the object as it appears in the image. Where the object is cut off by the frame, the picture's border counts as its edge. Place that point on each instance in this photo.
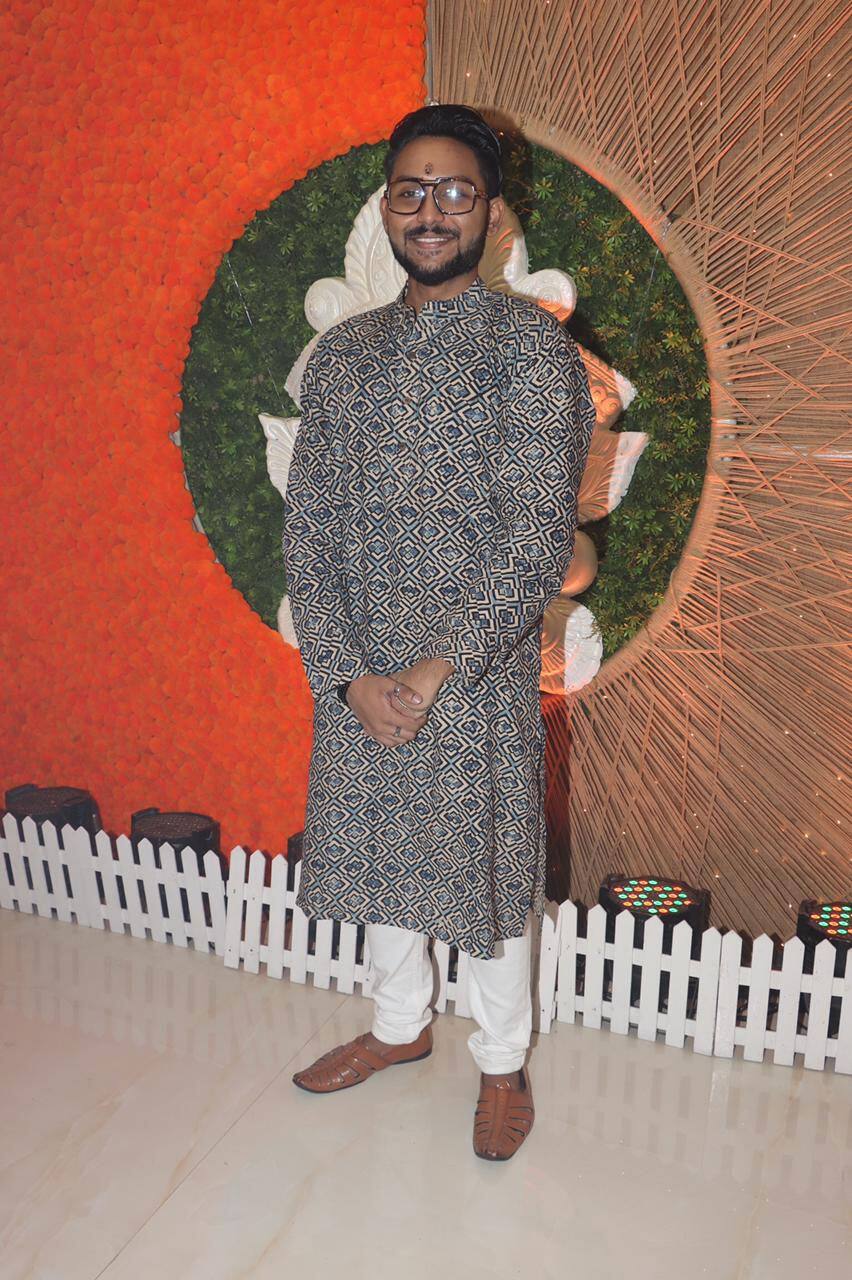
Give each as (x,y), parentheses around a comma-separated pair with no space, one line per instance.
(139,139)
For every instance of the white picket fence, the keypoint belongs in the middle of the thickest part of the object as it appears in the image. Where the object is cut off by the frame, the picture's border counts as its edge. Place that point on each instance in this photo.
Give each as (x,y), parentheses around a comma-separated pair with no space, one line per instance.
(712,1003)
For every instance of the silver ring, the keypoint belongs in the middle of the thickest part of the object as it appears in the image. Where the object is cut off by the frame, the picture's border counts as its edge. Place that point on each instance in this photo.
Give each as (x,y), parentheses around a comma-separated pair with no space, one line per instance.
(397,731)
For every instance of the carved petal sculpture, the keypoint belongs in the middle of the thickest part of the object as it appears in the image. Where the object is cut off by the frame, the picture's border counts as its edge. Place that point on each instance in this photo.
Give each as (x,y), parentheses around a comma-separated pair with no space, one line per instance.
(571,643)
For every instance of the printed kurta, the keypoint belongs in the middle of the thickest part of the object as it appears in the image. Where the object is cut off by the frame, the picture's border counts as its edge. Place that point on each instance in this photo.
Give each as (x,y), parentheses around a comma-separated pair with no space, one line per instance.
(430,512)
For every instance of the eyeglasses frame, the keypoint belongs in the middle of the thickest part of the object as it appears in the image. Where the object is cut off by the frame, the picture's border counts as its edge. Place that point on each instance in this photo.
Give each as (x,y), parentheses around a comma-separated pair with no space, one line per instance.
(478,194)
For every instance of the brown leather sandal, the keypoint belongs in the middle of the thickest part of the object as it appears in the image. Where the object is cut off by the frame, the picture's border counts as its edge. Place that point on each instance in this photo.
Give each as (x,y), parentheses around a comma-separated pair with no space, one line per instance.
(504,1117)
(353,1063)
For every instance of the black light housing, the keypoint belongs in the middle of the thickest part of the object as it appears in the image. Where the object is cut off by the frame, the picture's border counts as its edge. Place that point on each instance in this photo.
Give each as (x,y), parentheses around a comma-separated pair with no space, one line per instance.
(644,897)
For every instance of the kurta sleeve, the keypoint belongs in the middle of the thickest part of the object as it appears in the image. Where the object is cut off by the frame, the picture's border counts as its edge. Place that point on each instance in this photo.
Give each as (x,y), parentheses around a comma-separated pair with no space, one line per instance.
(549,416)
(313,555)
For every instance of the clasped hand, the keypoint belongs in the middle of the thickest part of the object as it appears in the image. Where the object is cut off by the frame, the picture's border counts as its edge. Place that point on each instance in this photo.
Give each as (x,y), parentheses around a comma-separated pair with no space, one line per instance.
(381,712)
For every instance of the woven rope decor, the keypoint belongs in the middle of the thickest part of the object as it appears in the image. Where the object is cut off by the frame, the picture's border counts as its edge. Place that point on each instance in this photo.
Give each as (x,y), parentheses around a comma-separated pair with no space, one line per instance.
(715,746)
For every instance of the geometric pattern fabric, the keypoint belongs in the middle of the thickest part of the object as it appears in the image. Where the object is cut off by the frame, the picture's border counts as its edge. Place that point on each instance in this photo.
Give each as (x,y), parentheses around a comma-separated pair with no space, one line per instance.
(430,511)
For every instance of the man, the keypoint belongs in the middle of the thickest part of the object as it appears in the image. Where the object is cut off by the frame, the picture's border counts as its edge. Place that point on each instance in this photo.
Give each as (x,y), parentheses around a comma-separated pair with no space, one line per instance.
(429,519)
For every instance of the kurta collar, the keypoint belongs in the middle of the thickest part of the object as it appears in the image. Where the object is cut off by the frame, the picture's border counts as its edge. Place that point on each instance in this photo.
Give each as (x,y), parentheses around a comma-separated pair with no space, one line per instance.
(439,310)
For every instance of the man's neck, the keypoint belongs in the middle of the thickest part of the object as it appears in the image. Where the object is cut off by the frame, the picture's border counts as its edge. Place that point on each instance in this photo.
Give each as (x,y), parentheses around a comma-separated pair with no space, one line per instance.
(416,293)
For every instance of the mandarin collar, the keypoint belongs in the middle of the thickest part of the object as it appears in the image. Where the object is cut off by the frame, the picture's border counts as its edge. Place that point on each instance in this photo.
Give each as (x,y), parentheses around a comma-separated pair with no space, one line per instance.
(438,310)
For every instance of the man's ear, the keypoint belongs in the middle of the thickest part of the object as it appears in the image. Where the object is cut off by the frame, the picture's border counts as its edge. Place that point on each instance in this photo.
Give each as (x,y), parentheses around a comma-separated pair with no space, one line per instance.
(496,209)
(383,210)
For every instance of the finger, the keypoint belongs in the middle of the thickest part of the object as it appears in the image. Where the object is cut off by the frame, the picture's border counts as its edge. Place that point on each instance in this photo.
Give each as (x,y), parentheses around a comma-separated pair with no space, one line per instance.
(395,726)
(395,739)
(404,735)
(397,702)
(390,718)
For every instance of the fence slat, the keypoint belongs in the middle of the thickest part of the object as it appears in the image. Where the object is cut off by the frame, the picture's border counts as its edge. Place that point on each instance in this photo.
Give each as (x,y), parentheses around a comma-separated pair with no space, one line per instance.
(169,880)
(820,1005)
(299,937)
(843,1060)
(367,979)
(760,969)
(788,1002)
(678,984)
(197,926)
(55,857)
(77,844)
(649,992)
(149,876)
(112,912)
(548,959)
(593,985)
(19,889)
(622,973)
(130,882)
(566,974)
(708,990)
(347,949)
(8,862)
(40,895)
(214,886)
(322,954)
(234,907)
(726,1006)
(250,948)
(18,859)
(277,915)
(441,956)
(461,994)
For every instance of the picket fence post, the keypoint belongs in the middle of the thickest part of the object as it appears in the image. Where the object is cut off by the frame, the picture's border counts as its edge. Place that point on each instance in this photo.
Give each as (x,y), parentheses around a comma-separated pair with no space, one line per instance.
(566,973)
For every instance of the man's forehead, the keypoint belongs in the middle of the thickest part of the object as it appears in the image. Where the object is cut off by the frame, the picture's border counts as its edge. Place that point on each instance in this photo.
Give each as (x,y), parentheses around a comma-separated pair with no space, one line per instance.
(428,155)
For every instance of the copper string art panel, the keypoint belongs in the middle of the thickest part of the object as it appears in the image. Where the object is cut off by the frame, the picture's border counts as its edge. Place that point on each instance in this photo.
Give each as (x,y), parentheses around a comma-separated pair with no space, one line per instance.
(715,746)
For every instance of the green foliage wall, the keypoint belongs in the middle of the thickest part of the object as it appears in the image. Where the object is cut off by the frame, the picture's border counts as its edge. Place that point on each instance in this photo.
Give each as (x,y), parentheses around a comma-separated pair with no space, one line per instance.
(631,311)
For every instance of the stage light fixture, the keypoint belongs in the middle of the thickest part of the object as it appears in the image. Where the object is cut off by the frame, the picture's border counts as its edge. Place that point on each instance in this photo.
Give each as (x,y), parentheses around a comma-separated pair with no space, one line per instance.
(818,920)
(648,896)
(58,805)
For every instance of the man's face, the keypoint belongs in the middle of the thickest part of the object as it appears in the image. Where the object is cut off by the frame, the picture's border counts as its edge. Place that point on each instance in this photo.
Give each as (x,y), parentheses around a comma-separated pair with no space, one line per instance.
(431,246)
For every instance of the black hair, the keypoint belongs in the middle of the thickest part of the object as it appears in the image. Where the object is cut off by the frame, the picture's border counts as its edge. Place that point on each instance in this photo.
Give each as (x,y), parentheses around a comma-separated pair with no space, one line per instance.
(451,120)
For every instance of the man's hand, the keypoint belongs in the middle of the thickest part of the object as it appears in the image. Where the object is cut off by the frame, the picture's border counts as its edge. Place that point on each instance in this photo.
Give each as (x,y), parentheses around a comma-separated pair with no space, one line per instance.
(381,712)
(370,697)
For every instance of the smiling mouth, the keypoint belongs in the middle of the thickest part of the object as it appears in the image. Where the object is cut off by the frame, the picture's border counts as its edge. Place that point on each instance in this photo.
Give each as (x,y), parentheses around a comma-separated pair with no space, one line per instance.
(428,241)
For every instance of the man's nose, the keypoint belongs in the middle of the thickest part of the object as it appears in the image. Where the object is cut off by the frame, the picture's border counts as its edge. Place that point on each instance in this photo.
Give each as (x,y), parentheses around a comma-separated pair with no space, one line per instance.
(429,205)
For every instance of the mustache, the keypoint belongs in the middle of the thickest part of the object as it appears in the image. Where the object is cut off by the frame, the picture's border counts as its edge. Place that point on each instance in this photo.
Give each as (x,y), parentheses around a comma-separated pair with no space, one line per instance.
(432,231)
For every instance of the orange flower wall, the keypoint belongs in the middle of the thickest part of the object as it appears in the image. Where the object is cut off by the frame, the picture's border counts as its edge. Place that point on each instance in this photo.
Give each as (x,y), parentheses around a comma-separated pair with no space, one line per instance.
(139,139)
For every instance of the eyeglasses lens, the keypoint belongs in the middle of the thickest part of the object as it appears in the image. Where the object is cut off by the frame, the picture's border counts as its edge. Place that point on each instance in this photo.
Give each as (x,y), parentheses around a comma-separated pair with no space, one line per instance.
(451,196)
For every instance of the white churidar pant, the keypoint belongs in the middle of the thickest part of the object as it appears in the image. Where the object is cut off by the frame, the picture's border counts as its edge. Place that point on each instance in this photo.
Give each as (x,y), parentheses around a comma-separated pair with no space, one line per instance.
(498,991)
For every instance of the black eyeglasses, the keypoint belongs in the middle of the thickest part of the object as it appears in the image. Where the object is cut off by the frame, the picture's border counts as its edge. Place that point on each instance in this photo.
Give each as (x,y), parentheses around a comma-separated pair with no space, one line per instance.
(451,195)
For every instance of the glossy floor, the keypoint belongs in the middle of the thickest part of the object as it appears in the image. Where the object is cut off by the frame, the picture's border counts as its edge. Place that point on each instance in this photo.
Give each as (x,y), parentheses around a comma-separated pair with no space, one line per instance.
(150,1129)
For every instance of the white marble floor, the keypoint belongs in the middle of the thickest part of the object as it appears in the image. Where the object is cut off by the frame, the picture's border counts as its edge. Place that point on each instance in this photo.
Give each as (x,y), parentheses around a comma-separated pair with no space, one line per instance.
(149,1128)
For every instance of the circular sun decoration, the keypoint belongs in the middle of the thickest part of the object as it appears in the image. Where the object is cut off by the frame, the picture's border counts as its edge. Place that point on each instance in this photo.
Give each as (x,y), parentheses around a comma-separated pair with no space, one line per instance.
(714,744)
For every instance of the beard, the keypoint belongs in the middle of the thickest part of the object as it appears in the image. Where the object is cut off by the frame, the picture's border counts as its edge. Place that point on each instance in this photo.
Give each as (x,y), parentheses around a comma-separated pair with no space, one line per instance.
(465,260)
